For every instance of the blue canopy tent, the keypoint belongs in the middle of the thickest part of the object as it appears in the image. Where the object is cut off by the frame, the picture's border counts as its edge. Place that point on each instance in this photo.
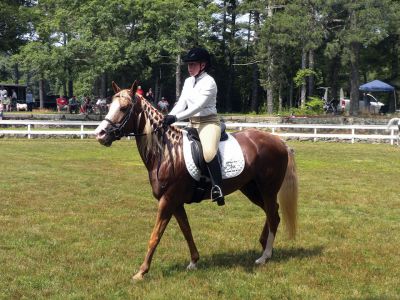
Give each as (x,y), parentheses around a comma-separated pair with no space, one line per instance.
(378,86)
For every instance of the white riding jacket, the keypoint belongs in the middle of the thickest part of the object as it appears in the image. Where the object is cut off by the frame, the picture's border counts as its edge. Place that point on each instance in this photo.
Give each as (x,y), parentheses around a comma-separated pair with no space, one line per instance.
(198,98)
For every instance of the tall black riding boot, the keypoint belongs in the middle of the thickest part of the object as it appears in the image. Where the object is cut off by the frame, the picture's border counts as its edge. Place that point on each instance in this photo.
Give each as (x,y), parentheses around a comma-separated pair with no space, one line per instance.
(216,181)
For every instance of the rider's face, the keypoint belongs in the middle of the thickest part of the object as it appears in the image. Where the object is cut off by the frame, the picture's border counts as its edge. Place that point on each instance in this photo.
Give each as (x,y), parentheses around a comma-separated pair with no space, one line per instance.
(195,67)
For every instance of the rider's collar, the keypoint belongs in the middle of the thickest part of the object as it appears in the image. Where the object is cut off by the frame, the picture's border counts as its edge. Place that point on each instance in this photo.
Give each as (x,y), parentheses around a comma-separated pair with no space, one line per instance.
(199,76)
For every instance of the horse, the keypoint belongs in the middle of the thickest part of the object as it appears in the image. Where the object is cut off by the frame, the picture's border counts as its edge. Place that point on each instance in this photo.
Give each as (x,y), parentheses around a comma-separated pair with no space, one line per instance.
(393,122)
(269,172)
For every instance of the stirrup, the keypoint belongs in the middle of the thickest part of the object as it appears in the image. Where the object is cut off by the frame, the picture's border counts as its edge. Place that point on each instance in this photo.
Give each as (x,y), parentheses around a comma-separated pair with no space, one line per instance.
(217,196)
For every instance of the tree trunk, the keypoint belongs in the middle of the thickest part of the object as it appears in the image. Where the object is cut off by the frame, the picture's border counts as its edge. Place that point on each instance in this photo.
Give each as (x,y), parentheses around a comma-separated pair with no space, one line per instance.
(270,101)
(304,85)
(335,65)
(231,68)
(254,88)
(41,93)
(229,88)
(255,70)
(354,80)
(291,104)
(311,77)
(16,73)
(270,94)
(70,88)
(103,86)
(178,76)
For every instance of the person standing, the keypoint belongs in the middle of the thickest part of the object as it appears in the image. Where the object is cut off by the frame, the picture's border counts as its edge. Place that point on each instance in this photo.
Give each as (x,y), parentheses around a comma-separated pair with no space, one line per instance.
(1,109)
(150,96)
(14,98)
(4,98)
(198,103)
(163,105)
(29,100)
(139,91)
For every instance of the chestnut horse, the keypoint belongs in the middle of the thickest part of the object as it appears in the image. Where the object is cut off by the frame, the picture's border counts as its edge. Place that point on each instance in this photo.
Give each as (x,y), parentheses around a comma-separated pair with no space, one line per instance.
(269,172)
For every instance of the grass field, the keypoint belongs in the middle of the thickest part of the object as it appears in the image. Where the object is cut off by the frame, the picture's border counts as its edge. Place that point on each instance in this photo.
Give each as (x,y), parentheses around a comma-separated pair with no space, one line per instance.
(75,218)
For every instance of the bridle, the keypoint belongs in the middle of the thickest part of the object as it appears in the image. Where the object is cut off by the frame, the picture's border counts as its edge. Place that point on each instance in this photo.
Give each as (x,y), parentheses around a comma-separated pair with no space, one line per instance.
(117,129)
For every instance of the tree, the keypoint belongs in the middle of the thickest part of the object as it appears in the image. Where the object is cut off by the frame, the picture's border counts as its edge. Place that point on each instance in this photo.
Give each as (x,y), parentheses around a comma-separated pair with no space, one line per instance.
(363,24)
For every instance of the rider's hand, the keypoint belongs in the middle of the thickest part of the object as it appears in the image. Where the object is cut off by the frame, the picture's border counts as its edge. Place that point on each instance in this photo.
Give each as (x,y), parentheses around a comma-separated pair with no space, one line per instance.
(168,120)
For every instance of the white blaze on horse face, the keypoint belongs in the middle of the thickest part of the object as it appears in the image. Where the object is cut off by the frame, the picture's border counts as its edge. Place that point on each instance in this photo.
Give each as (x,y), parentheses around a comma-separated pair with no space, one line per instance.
(112,115)
(268,250)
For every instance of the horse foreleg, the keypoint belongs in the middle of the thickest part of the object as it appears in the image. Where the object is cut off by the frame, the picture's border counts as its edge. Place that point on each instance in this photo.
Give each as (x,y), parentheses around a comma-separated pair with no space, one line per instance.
(163,216)
(182,219)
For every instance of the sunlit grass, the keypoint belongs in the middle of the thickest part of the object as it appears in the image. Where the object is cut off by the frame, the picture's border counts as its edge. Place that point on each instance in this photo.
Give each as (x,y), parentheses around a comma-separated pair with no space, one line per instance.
(75,218)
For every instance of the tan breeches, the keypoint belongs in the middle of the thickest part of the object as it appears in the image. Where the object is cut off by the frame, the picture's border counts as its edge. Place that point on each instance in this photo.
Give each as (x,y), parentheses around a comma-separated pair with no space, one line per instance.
(210,133)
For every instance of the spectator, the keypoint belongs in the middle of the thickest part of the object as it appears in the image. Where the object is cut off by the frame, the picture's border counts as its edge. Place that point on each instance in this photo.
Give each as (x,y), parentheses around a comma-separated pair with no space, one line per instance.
(14,98)
(1,110)
(163,105)
(73,105)
(86,106)
(5,99)
(139,91)
(29,100)
(62,103)
(150,96)
(101,105)
(3,93)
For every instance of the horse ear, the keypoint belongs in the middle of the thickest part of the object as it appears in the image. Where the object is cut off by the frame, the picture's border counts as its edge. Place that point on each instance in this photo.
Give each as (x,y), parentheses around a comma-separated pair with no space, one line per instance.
(133,88)
(116,88)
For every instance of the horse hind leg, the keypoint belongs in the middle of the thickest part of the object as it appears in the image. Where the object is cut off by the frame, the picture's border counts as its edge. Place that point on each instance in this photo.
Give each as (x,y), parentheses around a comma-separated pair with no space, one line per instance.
(270,206)
(270,228)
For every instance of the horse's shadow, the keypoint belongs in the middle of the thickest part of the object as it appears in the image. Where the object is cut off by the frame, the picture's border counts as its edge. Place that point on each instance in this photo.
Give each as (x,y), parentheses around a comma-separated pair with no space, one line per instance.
(246,259)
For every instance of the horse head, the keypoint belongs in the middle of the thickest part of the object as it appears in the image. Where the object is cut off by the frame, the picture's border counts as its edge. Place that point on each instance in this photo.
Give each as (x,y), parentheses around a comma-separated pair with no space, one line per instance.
(118,121)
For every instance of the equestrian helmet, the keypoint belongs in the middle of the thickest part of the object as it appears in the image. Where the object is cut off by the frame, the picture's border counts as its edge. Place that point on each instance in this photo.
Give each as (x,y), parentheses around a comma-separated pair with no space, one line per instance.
(197,55)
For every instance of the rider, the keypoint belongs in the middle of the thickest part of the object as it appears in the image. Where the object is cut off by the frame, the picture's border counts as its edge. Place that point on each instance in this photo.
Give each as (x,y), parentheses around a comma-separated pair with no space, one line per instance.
(198,103)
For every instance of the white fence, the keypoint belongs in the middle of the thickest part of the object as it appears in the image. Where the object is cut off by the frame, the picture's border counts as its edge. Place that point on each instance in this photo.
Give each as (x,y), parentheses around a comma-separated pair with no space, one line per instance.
(82,129)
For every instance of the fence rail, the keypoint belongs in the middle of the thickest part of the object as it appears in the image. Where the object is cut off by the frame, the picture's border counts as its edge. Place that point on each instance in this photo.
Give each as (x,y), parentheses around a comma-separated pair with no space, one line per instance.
(30,128)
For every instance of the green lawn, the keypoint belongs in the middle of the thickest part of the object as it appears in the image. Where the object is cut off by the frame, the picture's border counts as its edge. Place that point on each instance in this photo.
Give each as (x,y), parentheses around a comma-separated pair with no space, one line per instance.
(75,218)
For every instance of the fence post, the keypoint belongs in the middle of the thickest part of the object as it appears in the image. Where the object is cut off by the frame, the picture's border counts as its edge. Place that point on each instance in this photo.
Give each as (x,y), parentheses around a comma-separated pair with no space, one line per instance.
(392,137)
(82,131)
(352,135)
(29,131)
(315,132)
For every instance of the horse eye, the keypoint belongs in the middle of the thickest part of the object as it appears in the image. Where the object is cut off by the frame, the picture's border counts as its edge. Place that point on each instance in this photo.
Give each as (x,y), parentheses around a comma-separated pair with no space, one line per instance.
(123,109)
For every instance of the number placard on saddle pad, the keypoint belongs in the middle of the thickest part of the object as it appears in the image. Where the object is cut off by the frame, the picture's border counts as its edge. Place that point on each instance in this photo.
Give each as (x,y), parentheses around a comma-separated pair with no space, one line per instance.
(230,153)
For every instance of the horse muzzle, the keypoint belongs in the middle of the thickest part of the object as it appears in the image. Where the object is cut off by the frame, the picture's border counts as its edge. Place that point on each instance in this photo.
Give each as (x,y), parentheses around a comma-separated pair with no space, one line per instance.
(103,138)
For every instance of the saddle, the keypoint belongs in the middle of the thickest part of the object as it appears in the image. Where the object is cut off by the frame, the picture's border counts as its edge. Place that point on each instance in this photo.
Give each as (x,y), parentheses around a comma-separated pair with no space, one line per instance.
(196,149)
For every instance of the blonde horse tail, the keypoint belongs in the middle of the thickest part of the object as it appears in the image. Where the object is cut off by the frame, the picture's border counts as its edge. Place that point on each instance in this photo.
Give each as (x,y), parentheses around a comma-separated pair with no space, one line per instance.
(288,195)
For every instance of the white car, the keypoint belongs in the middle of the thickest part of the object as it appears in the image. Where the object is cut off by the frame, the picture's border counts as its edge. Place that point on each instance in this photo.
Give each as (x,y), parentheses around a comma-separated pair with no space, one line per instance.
(374,108)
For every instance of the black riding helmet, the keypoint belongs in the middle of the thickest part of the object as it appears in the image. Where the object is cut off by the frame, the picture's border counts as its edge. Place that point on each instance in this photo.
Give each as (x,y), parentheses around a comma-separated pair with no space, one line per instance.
(198,54)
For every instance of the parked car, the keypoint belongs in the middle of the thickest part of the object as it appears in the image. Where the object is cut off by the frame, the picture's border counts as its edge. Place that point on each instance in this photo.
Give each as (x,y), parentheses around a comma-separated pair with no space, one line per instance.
(375,106)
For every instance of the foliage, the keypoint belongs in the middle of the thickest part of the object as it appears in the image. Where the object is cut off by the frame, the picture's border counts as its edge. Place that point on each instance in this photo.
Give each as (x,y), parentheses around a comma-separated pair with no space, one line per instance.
(257,44)
(301,75)
(315,104)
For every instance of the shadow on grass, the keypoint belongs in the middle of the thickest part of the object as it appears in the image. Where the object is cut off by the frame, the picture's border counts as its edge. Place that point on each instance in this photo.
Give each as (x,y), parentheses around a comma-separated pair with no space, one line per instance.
(246,259)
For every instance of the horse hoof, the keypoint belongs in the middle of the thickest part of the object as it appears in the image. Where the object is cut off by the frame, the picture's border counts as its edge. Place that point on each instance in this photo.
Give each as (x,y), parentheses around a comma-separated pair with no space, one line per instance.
(137,277)
(191,266)
(261,261)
